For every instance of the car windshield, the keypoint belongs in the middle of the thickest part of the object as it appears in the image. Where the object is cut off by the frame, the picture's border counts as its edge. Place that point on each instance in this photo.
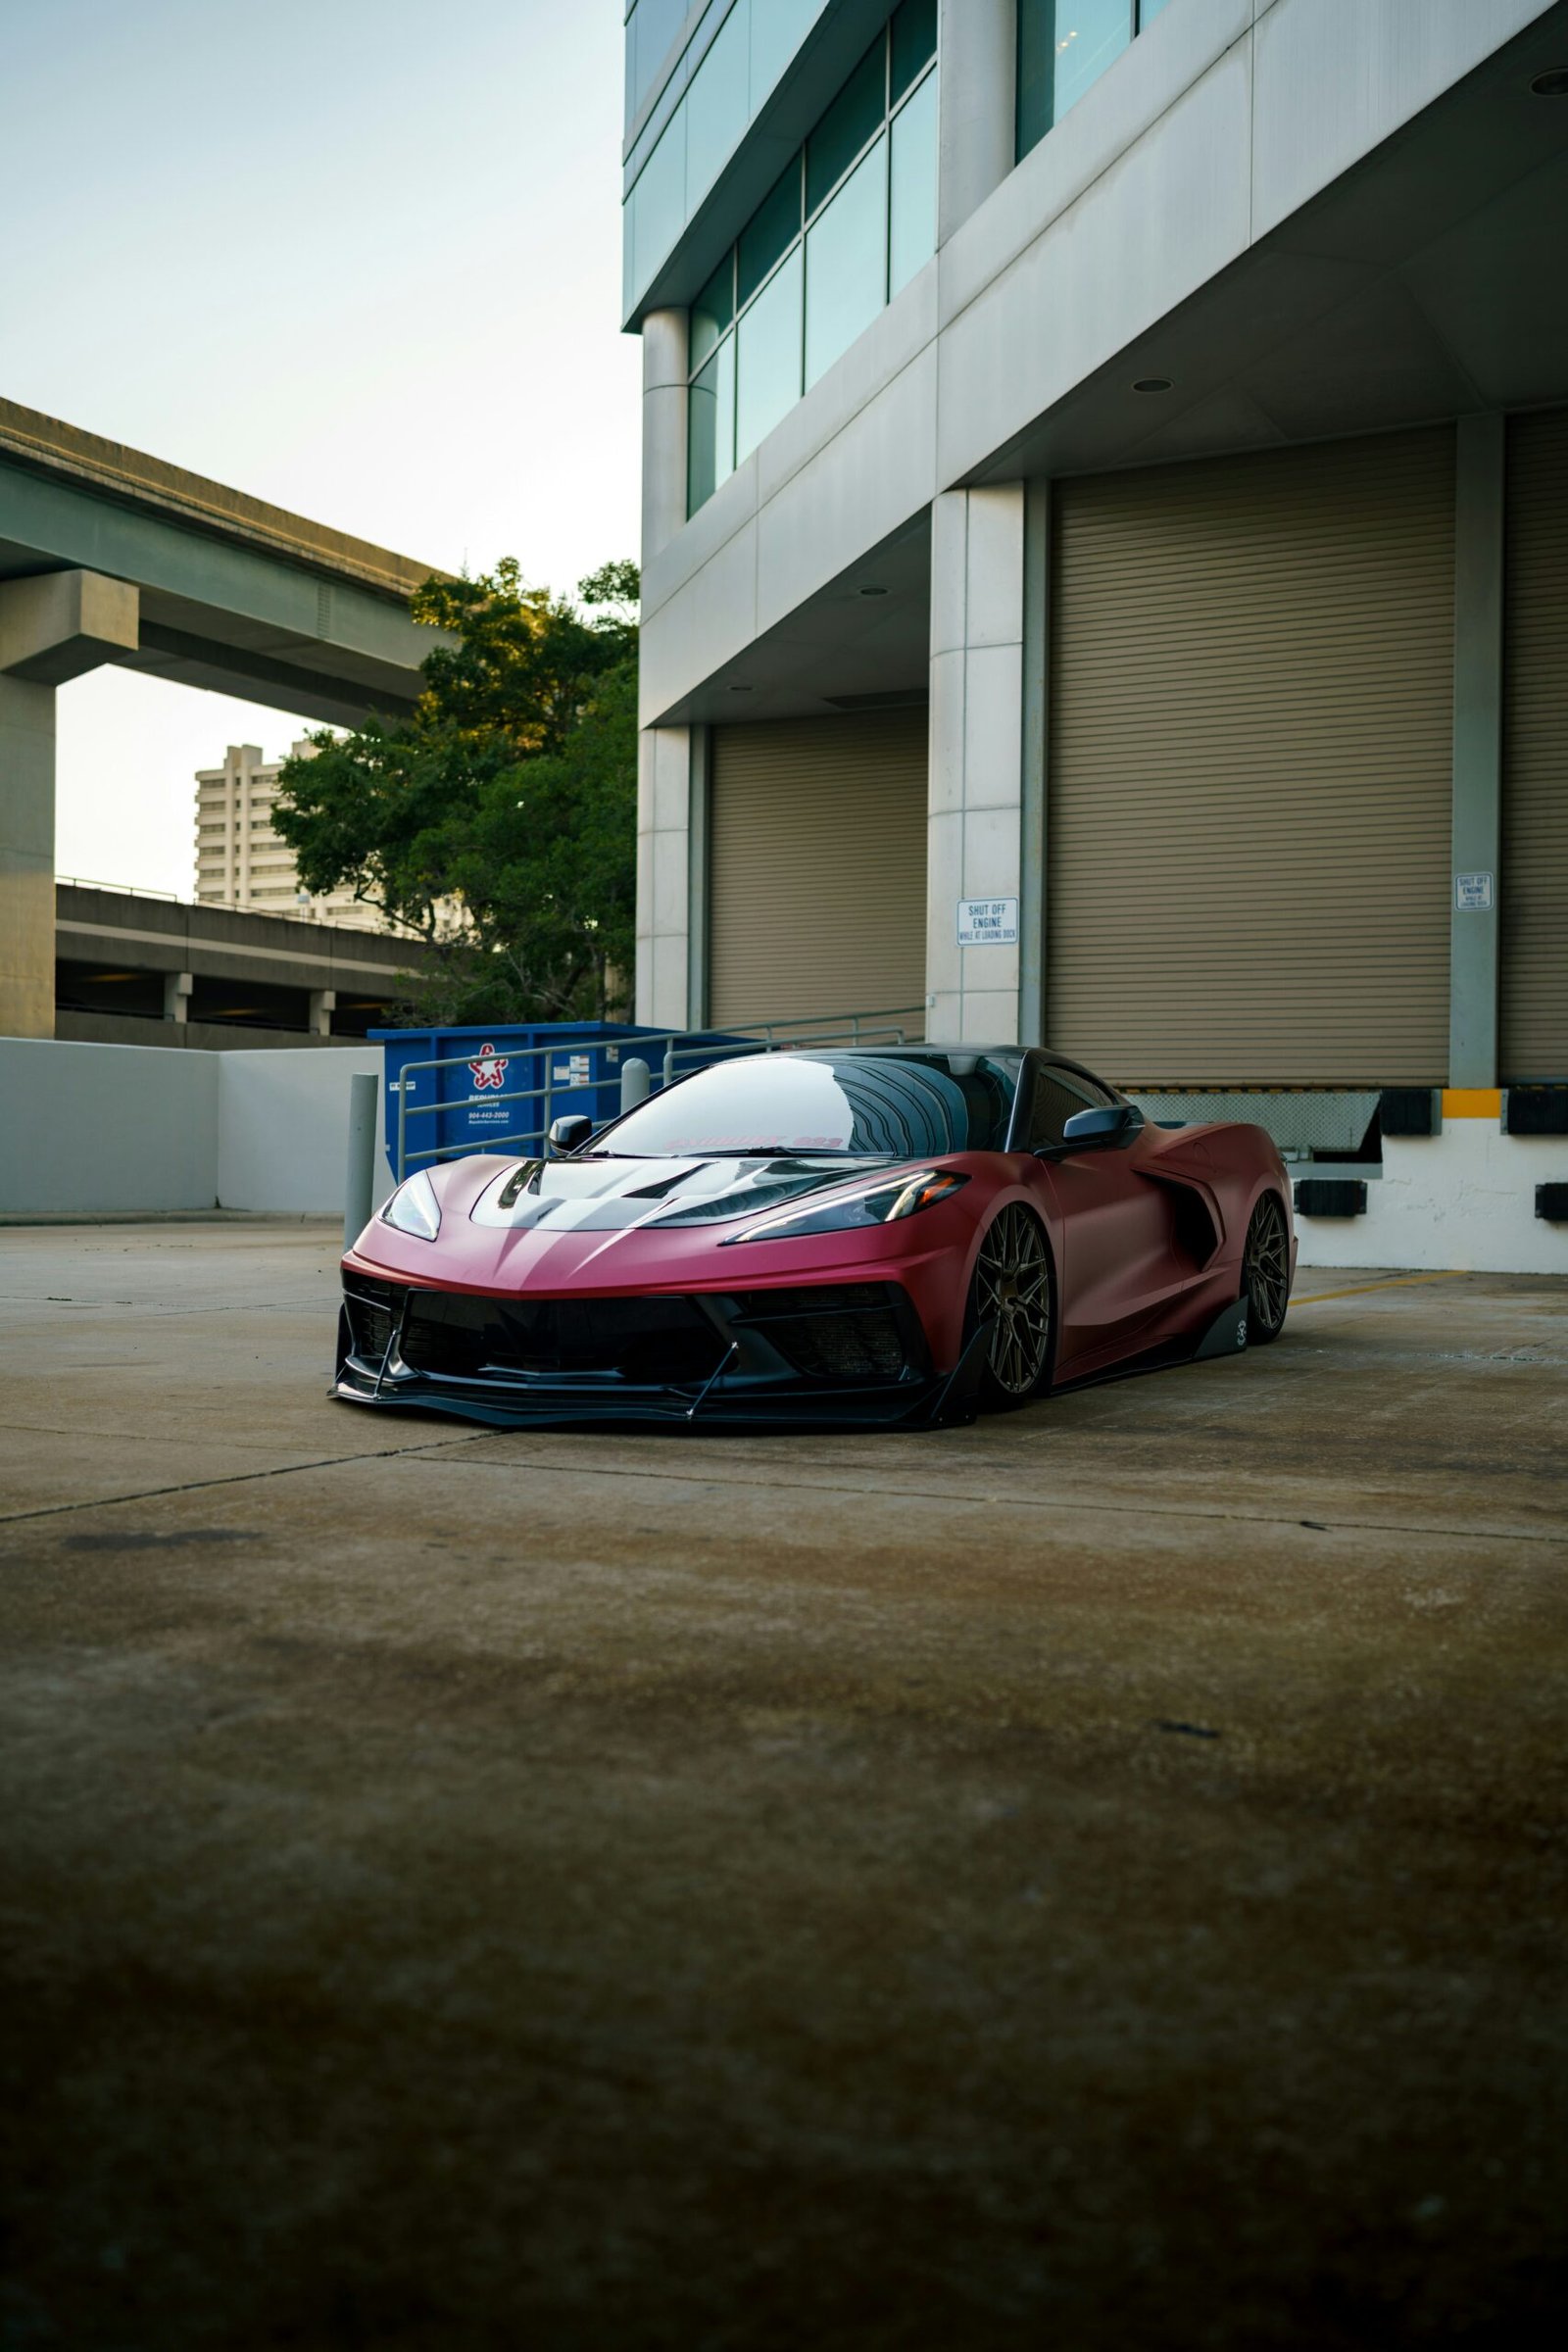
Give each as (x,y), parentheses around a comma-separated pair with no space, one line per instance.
(885,1105)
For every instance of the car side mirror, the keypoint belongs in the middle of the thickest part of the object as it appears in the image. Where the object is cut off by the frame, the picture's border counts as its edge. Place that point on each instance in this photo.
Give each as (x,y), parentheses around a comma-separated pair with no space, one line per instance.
(1112,1128)
(570,1132)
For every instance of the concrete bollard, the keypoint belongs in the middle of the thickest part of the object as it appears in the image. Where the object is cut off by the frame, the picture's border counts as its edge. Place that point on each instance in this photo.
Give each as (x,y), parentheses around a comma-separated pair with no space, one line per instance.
(634,1079)
(364,1090)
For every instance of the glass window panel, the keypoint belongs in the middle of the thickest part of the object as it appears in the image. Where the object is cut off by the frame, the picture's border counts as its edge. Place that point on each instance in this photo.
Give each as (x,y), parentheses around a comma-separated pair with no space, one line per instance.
(847,263)
(769,366)
(710,427)
(1090,35)
(648,36)
(660,199)
(914,42)
(912,234)
(847,124)
(1063,45)
(1036,33)
(771,231)
(717,110)
(778,28)
(712,310)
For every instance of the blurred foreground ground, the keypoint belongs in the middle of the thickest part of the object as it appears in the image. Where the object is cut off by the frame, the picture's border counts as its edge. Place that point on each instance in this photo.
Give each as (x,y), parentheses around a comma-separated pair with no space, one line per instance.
(1091,1879)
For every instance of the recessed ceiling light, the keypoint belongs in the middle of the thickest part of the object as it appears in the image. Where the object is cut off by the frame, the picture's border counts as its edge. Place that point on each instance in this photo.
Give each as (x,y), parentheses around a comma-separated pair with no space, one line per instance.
(873,592)
(1152,384)
(1553,84)
(740,689)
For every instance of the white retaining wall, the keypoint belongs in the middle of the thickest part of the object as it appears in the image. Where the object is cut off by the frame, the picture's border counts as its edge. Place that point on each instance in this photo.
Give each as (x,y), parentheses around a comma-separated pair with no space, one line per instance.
(150,1127)
(158,1128)
(282,1128)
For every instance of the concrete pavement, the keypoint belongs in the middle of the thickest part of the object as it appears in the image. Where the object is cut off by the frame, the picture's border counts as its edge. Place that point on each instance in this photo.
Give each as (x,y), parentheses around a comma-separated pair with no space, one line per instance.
(1094,1878)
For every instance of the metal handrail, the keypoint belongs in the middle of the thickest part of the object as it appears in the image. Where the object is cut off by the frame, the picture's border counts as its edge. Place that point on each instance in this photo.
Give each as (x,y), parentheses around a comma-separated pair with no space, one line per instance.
(846,1028)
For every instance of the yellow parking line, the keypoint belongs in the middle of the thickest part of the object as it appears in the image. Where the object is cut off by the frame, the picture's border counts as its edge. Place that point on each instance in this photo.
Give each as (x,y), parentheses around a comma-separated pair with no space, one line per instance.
(1397,1282)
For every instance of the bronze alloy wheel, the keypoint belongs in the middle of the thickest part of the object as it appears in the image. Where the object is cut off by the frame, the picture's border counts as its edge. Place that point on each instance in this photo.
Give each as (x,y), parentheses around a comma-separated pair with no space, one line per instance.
(1266,1272)
(1012,1293)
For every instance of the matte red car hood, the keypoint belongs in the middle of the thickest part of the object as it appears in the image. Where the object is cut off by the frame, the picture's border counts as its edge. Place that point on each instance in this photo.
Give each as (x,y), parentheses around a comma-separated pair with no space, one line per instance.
(618,1223)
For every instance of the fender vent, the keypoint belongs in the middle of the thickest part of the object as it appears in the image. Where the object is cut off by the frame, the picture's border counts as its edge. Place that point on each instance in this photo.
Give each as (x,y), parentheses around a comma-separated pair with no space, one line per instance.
(1331,1197)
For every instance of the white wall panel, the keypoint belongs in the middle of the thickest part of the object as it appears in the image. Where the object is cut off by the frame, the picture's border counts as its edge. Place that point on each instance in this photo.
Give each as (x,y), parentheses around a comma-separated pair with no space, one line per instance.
(1335,78)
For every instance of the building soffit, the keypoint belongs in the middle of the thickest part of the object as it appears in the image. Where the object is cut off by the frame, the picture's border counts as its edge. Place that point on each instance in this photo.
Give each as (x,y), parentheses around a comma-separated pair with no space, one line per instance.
(1406,290)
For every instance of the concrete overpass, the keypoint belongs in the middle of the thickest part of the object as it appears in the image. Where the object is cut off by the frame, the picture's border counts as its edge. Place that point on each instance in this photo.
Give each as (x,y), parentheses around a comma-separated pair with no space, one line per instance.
(110,556)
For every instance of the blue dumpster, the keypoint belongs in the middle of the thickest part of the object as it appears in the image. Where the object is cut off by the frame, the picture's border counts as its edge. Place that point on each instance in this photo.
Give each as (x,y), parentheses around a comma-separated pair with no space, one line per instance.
(505,1083)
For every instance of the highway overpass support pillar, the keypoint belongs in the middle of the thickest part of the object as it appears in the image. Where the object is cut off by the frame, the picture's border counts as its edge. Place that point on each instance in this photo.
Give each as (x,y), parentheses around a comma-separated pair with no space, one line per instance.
(53,627)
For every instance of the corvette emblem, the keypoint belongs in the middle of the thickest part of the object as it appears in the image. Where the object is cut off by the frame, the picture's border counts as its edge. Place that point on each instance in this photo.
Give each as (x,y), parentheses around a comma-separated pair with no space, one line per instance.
(489,1069)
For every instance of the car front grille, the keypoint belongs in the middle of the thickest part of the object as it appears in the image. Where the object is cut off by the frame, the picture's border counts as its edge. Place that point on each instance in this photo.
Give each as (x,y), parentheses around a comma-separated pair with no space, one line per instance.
(833,1334)
(839,1332)
(645,1341)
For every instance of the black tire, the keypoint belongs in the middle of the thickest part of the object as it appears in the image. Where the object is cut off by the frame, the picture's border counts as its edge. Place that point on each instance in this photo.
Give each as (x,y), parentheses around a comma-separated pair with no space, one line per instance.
(1013,1290)
(1266,1272)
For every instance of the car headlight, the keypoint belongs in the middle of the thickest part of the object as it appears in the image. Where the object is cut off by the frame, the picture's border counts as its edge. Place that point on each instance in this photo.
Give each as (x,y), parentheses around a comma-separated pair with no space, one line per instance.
(883,1203)
(414,1209)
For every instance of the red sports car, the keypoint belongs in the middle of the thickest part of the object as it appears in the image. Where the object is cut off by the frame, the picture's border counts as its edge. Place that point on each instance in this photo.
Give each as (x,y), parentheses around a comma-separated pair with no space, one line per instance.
(883,1237)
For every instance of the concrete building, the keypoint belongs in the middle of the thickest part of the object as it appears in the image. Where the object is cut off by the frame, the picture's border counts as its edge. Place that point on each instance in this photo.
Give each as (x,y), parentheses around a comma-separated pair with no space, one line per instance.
(1106,555)
(241,861)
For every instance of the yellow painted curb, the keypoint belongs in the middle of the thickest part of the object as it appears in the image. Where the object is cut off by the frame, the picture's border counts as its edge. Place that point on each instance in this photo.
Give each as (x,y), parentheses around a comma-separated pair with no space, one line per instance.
(1397,1282)
(1472,1103)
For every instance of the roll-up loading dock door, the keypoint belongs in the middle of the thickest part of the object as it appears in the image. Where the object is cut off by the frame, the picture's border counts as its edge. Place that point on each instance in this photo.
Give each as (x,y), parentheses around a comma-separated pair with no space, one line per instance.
(1533,902)
(1250,765)
(816,867)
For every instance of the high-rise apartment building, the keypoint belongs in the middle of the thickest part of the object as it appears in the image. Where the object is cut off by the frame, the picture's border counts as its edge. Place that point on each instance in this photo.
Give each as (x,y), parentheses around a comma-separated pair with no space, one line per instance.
(241,861)
(1106,547)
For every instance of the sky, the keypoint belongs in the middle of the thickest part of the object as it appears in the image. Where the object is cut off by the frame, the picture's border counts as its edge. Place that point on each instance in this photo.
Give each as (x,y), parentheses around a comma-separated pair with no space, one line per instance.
(360,258)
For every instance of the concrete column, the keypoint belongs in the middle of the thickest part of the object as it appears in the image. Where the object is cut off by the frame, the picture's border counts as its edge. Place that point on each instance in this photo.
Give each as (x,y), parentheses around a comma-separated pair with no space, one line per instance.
(178,990)
(663,876)
(1473,919)
(977,135)
(52,626)
(324,1004)
(976,809)
(664,346)
(27,859)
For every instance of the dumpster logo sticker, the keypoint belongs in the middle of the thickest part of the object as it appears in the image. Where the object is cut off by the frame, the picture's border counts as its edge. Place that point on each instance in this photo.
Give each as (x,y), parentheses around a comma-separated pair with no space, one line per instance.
(489,1070)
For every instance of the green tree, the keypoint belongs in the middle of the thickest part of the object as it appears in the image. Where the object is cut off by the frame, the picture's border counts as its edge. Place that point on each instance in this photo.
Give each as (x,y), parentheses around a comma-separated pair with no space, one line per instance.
(498,819)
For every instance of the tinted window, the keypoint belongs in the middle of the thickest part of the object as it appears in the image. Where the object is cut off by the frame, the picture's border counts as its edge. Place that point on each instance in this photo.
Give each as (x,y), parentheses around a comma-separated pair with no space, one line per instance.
(912,232)
(873,1105)
(848,122)
(914,43)
(771,231)
(711,423)
(768,380)
(847,263)
(1061,50)
(717,105)
(712,310)
(1058,1096)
